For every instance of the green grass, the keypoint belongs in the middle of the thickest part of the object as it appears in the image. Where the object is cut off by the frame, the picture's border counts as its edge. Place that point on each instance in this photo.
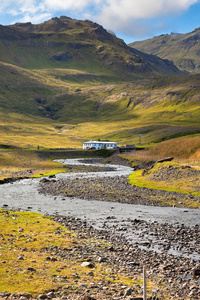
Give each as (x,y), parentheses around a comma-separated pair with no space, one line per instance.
(26,164)
(176,183)
(57,105)
(28,238)
(14,275)
(181,49)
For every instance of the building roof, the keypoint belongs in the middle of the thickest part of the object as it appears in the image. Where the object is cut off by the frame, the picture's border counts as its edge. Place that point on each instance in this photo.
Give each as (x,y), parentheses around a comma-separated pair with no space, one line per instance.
(99,142)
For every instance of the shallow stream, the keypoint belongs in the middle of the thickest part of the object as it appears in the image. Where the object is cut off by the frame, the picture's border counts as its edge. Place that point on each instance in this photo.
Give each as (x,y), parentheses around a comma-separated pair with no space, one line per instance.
(114,216)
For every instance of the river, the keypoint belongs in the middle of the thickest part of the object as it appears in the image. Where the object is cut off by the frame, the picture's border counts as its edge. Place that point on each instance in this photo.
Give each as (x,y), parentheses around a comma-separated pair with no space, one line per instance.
(24,195)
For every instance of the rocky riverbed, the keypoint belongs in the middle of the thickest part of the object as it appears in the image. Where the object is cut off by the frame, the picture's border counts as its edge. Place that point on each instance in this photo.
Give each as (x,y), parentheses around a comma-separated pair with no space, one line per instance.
(169,251)
(115,189)
(172,277)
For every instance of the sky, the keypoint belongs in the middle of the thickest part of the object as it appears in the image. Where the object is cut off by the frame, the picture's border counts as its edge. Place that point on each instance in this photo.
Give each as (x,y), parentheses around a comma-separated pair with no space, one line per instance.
(130,20)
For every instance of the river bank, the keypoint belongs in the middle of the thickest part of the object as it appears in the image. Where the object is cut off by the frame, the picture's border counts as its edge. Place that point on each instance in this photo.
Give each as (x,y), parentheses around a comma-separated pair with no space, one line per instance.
(165,239)
(118,188)
(110,266)
(18,164)
(172,275)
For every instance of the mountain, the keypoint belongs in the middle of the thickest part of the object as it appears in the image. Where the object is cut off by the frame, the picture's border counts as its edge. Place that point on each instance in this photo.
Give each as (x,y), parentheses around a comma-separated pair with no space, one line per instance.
(82,45)
(66,81)
(182,49)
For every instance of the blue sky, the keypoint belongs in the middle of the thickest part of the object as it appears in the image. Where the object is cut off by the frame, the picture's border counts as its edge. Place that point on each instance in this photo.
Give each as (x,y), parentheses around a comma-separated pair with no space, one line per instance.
(130,20)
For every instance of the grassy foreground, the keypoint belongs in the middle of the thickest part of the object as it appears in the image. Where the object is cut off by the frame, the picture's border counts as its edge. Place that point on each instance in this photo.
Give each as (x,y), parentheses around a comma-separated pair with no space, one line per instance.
(28,263)
(23,263)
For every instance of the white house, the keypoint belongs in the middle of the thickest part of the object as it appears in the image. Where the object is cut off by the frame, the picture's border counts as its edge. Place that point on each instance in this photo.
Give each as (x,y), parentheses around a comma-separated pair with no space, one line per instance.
(100,145)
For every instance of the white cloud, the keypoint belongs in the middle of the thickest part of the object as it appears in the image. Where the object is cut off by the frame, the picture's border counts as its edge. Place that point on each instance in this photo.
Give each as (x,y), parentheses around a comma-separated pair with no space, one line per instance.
(145,8)
(118,15)
(66,4)
(121,12)
(35,19)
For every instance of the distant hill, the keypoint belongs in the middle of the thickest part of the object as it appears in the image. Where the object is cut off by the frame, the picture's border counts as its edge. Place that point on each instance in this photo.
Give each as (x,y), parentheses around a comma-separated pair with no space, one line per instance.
(82,45)
(182,49)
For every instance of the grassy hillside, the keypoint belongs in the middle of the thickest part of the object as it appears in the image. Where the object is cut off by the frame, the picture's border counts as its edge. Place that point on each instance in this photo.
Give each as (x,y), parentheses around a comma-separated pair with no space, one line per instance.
(179,147)
(61,108)
(81,45)
(65,81)
(182,49)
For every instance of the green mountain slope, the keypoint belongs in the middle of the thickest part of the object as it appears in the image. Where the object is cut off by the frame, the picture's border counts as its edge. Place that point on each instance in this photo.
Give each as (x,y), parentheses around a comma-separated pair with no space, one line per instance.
(51,103)
(66,81)
(81,45)
(182,49)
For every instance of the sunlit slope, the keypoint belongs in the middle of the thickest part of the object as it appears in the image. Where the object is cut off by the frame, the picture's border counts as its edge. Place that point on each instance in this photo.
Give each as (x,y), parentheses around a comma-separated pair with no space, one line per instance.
(63,108)
(66,81)
(182,49)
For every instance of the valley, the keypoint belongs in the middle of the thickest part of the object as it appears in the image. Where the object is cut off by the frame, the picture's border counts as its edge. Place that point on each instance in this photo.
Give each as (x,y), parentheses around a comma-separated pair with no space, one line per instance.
(67,81)
(70,81)
(65,112)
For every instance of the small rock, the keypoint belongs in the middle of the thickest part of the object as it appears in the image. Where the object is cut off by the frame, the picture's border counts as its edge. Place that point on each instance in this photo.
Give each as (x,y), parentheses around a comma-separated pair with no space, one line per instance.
(48,258)
(128,292)
(52,176)
(51,295)
(23,295)
(44,180)
(102,259)
(87,264)
(30,269)
(43,296)
(54,259)
(196,272)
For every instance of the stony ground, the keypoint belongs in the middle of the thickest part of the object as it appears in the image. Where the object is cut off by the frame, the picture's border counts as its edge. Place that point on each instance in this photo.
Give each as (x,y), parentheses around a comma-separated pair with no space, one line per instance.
(118,189)
(171,173)
(115,189)
(173,276)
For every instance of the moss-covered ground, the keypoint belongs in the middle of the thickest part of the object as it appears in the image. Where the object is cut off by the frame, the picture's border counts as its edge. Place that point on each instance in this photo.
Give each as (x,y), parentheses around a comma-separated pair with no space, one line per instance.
(169,176)
(30,260)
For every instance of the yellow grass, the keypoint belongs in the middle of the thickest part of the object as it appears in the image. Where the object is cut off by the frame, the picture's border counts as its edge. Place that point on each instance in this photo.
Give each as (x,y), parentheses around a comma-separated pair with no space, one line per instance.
(184,184)
(25,234)
(180,147)
(196,155)
(28,238)
(26,164)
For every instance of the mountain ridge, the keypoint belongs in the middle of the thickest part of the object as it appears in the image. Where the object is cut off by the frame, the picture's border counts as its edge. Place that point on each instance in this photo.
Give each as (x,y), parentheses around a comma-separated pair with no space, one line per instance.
(84,45)
(182,49)
(65,81)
